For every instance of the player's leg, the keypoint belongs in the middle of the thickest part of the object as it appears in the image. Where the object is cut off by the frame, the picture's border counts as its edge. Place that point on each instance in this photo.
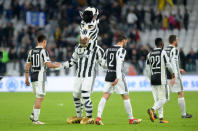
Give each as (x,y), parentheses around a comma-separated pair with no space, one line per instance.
(182,105)
(178,87)
(101,106)
(128,108)
(102,103)
(77,102)
(122,89)
(155,100)
(108,90)
(39,88)
(86,95)
(162,94)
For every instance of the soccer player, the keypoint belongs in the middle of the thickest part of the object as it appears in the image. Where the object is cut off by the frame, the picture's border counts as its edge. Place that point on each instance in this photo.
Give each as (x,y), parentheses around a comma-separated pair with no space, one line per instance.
(37,61)
(157,61)
(115,79)
(173,54)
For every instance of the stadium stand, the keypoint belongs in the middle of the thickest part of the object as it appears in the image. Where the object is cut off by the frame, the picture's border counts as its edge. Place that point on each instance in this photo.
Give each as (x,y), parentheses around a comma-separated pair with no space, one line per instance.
(140,20)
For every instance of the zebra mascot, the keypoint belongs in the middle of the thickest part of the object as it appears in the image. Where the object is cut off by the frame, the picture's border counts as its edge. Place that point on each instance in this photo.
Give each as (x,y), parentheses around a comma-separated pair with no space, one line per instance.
(85,56)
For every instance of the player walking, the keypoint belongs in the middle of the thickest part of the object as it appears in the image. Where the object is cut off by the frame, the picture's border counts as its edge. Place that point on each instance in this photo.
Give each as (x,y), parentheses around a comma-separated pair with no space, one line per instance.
(173,54)
(157,61)
(115,79)
(37,61)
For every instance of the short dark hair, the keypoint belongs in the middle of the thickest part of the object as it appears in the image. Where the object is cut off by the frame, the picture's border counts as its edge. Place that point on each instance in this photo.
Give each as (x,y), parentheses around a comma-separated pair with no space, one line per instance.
(120,37)
(41,38)
(172,38)
(158,41)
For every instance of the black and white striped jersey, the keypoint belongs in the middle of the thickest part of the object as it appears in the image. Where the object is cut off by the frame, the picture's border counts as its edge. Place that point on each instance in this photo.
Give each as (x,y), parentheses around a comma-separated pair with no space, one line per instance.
(173,54)
(38,57)
(156,63)
(86,60)
(114,57)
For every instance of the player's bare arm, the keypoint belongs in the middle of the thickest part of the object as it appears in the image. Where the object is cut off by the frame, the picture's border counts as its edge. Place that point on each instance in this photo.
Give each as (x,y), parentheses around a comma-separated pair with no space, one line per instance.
(51,65)
(27,67)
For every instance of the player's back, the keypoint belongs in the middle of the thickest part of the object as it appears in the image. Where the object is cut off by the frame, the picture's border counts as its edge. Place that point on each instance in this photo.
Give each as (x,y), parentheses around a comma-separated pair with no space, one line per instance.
(158,67)
(173,54)
(37,57)
(111,59)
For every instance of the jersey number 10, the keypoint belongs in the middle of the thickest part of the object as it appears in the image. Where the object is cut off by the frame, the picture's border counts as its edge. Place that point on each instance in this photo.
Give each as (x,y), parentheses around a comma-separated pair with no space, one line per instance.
(35,60)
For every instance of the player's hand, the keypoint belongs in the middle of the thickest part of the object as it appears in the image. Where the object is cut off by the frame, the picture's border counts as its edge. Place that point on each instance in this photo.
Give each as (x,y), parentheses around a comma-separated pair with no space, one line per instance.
(182,71)
(27,83)
(57,64)
(172,81)
(115,82)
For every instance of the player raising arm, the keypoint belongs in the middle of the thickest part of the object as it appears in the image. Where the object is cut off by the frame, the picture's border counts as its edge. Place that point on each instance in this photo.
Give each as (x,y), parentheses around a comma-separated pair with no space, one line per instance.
(37,61)
(157,61)
(115,79)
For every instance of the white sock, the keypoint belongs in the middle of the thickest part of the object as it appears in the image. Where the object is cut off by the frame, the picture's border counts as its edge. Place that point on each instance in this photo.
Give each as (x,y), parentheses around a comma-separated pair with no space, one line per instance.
(36,114)
(182,105)
(128,108)
(101,107)
(159,104)
(161,112)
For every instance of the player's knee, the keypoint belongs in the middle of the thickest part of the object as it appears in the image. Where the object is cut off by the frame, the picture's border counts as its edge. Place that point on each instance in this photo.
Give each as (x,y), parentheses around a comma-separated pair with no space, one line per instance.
(125,96)
(106,95)
(180,94)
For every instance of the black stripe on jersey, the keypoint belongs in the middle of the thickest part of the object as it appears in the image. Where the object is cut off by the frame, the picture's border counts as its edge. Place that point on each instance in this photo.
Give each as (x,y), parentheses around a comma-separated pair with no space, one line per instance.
(123,50)
(80,63)
(105,55)
(85,66)
(92,60)
(46,52)
(101,52)
(165,59)
(176,52)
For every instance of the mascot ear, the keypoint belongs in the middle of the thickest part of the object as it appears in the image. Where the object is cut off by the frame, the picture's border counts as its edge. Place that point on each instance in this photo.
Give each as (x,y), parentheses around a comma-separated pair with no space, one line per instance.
(81,14)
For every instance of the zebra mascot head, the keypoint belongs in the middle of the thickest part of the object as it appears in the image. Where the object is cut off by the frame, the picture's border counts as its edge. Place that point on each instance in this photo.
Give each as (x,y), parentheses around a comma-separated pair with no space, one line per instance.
(89,27)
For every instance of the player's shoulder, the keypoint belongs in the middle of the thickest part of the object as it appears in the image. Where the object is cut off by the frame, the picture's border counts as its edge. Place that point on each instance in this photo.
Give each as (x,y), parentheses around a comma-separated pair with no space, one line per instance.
(122,50)
(163,51)
(99,48)
(148,55)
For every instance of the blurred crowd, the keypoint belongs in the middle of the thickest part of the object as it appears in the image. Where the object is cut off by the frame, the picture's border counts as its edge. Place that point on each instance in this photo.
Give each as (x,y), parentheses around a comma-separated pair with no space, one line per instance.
(62,28)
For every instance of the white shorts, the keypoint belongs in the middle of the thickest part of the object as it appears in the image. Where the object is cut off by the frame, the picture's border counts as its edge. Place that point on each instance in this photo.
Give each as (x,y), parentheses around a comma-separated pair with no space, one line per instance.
(39,88)
(177,87)
(160,92)
(85,84)
(119,88)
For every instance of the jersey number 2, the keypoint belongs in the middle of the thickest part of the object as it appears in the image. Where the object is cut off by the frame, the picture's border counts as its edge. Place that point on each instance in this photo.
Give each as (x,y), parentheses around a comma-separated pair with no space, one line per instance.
(111,60)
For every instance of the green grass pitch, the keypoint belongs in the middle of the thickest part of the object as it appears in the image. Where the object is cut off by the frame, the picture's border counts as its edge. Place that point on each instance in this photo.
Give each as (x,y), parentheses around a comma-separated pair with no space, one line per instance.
(15,109)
